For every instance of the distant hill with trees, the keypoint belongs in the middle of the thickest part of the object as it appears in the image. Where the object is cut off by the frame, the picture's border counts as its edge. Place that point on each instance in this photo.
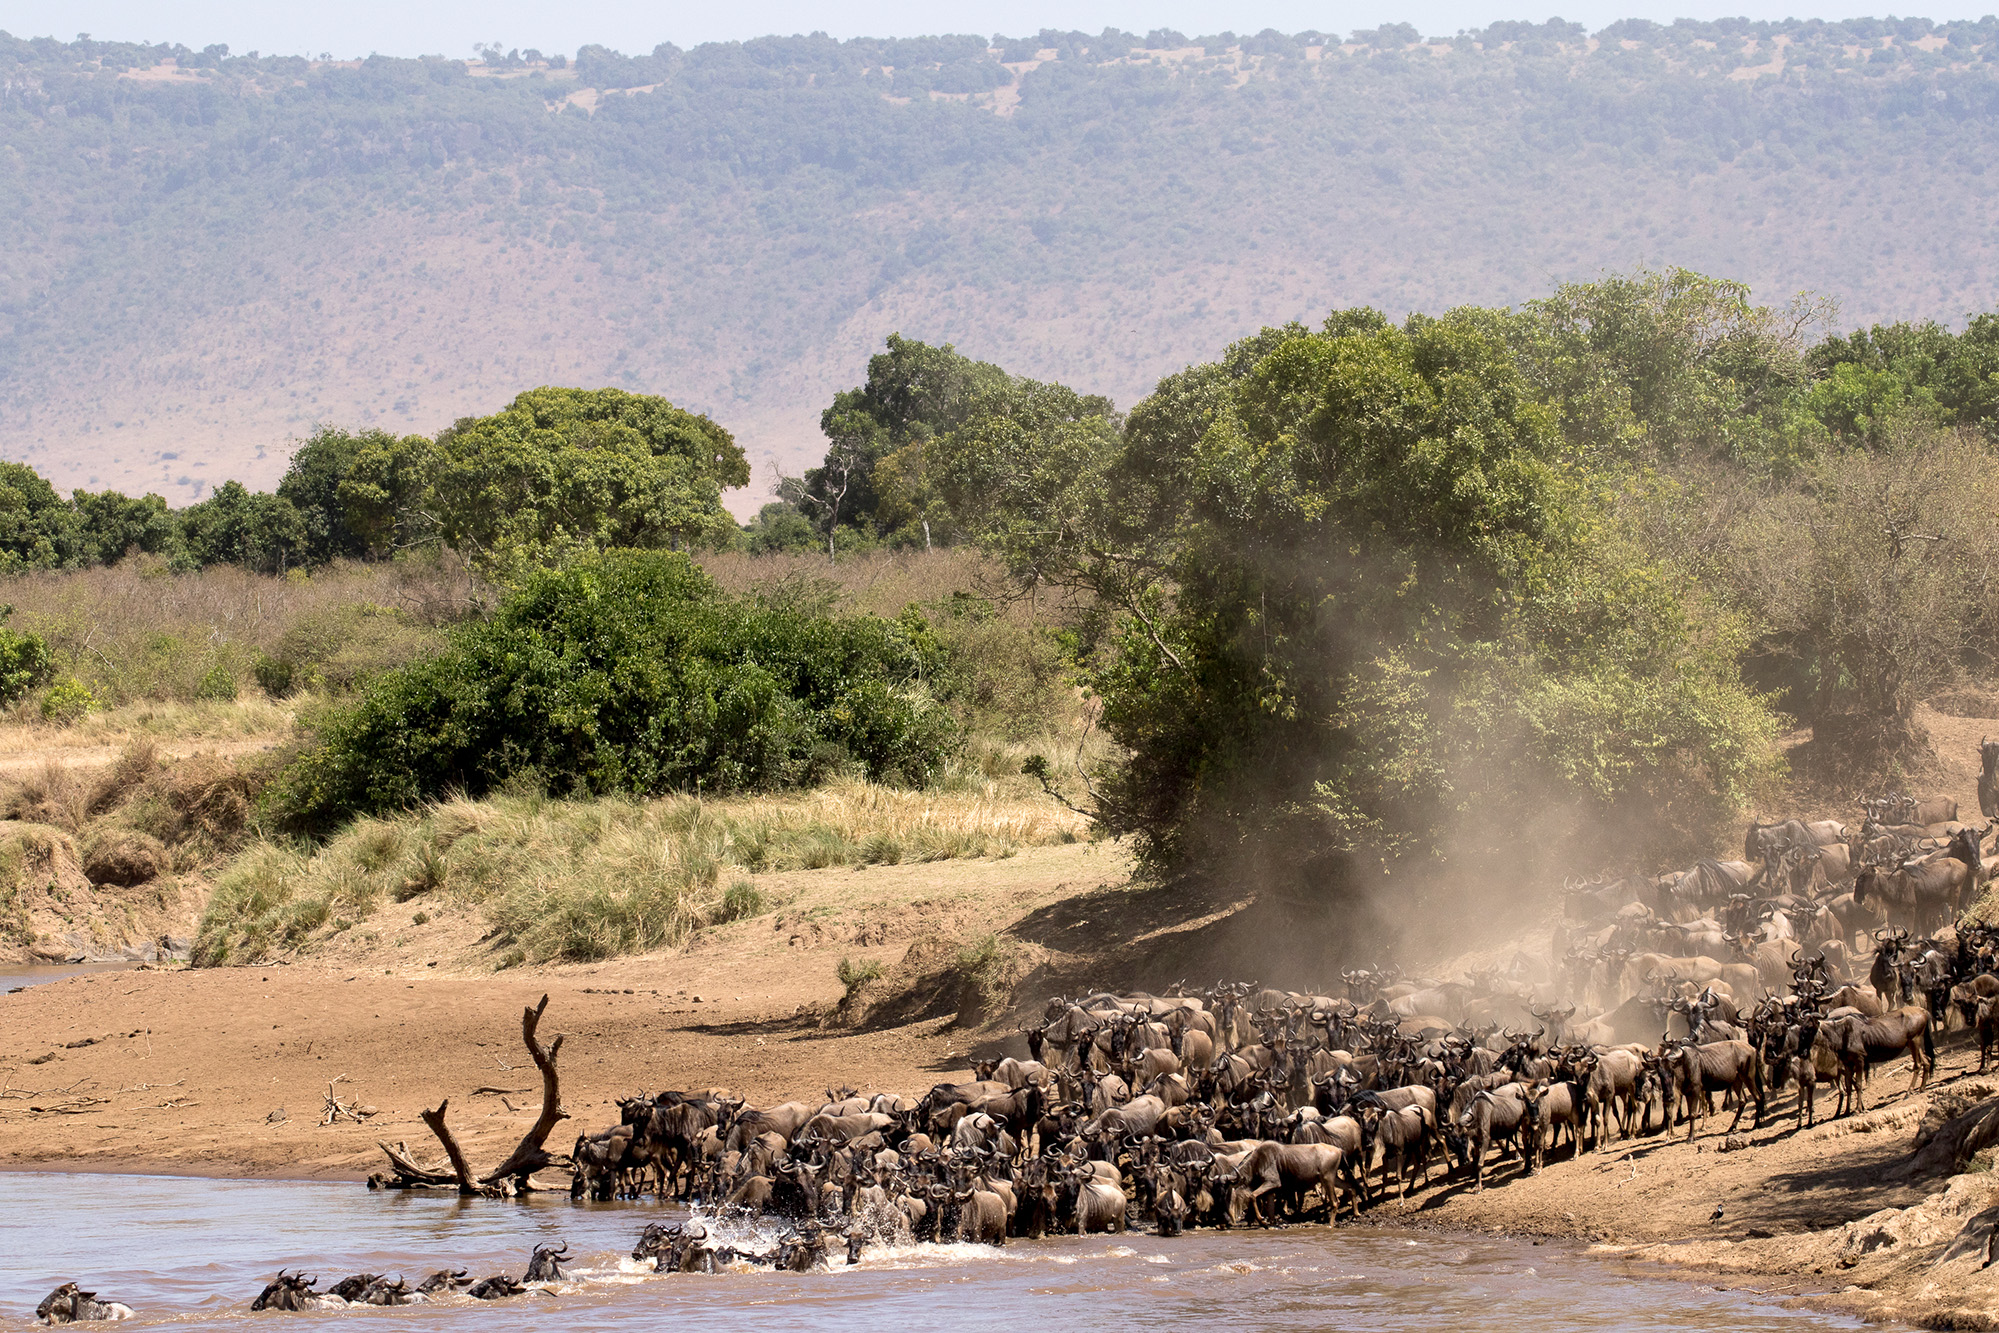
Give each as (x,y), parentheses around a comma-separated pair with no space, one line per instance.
(209,253)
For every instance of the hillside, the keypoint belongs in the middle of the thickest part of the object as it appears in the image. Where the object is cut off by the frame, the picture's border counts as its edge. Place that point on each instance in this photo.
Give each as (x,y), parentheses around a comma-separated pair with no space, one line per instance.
(209,253)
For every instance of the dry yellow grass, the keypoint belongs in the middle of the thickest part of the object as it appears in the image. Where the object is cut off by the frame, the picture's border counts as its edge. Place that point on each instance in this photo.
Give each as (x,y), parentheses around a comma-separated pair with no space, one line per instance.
(593,879)
(184,726)
(137,632)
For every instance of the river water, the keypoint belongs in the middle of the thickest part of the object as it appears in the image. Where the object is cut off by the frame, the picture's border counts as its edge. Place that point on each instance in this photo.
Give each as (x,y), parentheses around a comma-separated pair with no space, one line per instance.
(20,976)
(195,1252)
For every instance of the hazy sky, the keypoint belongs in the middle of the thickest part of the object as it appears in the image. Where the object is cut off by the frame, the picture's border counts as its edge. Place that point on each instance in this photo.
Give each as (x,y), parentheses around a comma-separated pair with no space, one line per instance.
(450,27)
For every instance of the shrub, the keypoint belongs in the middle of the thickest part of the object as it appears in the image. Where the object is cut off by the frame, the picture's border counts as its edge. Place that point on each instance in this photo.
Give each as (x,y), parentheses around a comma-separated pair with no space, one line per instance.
(218,685)
(274,676)
(629,672)
(854,975)
(25,661)
(68,702)
(741,902)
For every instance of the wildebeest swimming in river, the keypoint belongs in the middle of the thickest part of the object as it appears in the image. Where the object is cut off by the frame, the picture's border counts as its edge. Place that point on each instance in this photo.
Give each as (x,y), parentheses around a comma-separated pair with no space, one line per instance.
(444,1281)
(294,1291)
(545,1265)
(68,1304)
(374,1289)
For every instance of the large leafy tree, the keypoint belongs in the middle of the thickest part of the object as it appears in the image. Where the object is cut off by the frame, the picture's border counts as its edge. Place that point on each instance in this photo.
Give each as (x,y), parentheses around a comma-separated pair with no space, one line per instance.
(1672,366)
(312,484)
(35,524)
(110,524)
(557,472)
(879,480)
(238,526)
(1869,381)
(1364,589)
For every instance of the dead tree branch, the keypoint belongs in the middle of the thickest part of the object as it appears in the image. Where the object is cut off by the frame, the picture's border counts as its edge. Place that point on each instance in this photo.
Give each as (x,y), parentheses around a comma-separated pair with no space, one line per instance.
(461,1172)
(530,1156)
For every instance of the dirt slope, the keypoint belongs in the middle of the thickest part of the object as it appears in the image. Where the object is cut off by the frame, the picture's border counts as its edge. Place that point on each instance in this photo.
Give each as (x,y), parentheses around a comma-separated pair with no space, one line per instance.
(192,1065)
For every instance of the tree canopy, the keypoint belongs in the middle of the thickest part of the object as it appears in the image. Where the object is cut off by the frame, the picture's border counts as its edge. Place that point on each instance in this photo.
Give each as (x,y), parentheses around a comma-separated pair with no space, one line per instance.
(557,471)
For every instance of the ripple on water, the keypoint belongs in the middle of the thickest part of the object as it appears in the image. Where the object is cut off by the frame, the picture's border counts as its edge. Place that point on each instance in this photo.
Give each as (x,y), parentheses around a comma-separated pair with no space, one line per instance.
(194,1252)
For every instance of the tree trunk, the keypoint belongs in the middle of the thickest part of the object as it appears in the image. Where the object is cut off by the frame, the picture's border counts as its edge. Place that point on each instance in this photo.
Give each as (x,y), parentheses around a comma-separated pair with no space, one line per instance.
(530,1155)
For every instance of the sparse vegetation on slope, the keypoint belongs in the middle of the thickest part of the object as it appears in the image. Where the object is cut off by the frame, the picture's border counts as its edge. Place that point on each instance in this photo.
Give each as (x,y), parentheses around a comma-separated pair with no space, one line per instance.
(576,880)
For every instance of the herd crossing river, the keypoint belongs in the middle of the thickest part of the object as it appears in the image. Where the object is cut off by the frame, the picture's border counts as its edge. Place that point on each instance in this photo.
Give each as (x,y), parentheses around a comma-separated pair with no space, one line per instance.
(1213,1123)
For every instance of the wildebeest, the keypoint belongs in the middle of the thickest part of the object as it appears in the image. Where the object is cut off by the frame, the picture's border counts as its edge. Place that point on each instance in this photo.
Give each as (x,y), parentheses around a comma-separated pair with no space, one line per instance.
(1866,1042)
(545,1264)
(1922,895)
(1988,777)
(1293,1170)
(1699,1071)
(69,1304)
(1610,1093)
(1404,1135)
(1507,1114)
(1986,1022)
(294,1291)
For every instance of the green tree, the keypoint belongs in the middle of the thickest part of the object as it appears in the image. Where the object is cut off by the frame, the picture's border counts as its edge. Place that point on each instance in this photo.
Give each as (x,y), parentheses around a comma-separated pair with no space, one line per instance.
(36,527)
(1659,367)
(1871,379)
(1367,591)
(876,478)
(779,529)
(312,485)
(237,526)
(556,472)
(109,524)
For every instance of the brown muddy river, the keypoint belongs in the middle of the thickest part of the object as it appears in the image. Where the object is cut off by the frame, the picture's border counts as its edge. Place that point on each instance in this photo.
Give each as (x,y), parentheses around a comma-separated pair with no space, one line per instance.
(195,1252)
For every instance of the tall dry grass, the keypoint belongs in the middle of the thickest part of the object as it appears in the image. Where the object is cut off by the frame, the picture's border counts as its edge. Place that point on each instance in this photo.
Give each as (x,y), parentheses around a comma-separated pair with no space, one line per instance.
(137,631)
(581,880)
(877,583)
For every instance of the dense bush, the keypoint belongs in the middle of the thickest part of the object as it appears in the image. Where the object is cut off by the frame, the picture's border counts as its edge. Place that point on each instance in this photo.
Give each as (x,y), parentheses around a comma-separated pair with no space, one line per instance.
(630,672)
(25,661)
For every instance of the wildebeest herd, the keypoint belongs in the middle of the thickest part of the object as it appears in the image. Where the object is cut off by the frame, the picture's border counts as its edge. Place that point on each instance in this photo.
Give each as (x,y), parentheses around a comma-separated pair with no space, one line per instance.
(1824,952)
